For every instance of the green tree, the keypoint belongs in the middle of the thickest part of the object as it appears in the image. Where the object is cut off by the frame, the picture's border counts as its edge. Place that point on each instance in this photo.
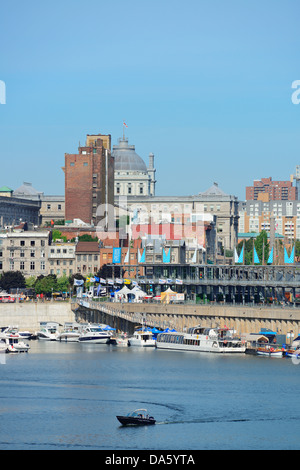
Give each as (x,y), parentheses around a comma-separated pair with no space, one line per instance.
(46,284)
(12,280)
(63,284)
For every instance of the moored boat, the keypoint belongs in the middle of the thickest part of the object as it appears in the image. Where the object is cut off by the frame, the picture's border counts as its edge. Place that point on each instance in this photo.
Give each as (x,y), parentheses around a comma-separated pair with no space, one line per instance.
(269,351)
(201,339)
(13,342)
(70,334)
(138,417)
(142,338)
(95,334)
(48,331)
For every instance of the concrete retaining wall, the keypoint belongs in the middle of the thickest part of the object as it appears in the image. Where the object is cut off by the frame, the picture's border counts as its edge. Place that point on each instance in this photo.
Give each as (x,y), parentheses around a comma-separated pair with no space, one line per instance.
(28,315)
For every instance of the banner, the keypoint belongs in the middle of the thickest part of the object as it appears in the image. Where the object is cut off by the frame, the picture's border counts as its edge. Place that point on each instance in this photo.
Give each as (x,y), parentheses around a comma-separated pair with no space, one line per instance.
(179,282)
(255,256)
(289,259)
(126,259)
(236,258)
(142,258)
(162,281)
(117,255)
(241,257)
(167,257)
(271,255)
(194,259)
(78,282)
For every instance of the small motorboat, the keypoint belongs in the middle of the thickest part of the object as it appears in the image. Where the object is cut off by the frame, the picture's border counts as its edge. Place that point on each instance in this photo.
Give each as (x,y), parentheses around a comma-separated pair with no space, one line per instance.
(269,351)
(137,418)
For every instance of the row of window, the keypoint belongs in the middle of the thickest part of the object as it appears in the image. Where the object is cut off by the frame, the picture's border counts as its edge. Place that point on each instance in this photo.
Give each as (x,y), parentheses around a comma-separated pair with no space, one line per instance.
(21,265)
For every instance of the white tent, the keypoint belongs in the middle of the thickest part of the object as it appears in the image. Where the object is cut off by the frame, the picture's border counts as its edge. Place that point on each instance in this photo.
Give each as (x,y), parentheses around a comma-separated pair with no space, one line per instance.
(122,294)
(138,293)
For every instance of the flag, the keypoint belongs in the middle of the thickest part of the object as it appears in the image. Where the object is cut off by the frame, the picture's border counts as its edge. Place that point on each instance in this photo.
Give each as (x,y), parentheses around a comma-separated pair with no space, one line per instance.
(179,282)
(97,279)
(126,259)
(124,124)
(194,259)
(78,282)
(142,257)
(166,257)
(270,259)
(236,258)
(289,259)
(241,257)
(52,222)
(256,258)
(117,252)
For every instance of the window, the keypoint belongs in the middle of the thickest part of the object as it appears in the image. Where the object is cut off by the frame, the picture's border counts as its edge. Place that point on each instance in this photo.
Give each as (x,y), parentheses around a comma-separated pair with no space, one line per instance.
(72,164)
(32,243)
(22,242)
(32,253)
(22,265)
(43,266)
(42,242)
(59,207)
(48,207)
(85,163)
(32,265)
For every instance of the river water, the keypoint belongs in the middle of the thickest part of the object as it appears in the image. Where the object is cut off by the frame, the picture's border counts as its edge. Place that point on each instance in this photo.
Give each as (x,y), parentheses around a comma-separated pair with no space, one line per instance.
(66,396)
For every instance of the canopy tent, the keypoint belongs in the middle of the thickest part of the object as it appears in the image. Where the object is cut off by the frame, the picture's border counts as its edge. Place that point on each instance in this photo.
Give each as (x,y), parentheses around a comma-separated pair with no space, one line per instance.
(168,295)
(122,293)
(138,293)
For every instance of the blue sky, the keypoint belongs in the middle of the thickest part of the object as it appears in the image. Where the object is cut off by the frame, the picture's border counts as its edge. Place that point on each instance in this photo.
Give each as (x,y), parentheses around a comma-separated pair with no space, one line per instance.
(205,85)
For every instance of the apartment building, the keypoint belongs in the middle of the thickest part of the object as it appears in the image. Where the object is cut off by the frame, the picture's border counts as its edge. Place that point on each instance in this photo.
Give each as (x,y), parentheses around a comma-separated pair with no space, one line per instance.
(26,252)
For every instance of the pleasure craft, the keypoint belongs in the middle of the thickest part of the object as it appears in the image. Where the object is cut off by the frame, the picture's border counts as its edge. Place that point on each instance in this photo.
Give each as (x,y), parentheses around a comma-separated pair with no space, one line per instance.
(13,342)
(70,334)
(138,418)
(94,334)
(143,338)
(48,331)
(216,340)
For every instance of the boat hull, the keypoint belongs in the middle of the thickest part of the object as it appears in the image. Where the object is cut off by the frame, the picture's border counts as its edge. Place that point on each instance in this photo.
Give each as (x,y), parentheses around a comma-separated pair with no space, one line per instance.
(93,340)
(135,421)
(68,338)
(150,343)
(270,353)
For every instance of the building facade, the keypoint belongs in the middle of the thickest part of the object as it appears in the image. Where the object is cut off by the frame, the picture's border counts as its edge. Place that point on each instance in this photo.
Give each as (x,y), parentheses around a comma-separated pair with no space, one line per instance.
(256,216)
(89,180)
(26,252)
(277,190)
(61,258)
(132,177)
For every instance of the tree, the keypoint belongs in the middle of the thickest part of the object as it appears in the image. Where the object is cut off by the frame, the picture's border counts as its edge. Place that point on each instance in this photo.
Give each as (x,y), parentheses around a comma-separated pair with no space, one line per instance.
(12,280)
(46,284)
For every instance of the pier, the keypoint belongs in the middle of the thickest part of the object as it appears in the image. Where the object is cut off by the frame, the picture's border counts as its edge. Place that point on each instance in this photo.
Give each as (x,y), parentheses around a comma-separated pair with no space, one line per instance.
(243,319)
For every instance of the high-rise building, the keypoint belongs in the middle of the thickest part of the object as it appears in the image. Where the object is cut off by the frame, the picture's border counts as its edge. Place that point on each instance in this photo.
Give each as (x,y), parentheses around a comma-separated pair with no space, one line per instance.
(277,190)
(89,180)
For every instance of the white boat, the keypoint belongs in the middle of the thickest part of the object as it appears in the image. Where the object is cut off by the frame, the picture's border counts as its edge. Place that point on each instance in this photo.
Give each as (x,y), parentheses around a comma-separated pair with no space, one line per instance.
(142,338)
(48,331)
(13,342)
(269,351)
(120,340)
(94,334)
(71,333)
(201,339)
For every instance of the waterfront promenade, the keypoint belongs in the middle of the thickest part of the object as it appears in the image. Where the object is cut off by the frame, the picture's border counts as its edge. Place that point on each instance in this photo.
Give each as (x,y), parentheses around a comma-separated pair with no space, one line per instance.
(244,319)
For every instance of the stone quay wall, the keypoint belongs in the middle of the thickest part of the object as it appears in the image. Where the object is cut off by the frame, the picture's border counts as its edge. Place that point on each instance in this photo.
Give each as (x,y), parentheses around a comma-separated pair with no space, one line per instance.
(28,315)
(243,319)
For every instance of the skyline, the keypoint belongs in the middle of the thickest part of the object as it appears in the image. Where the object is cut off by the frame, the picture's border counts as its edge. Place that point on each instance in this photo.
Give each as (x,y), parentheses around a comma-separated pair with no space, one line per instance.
(206,88)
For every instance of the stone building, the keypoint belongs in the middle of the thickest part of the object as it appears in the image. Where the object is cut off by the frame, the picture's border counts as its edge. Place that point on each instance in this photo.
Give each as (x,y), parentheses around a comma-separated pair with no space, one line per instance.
(25,251)
(61,258)
(132,177)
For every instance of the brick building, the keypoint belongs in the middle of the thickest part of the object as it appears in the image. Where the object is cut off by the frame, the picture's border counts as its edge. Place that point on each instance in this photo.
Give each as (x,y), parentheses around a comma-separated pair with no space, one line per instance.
(277,190)
(89,179)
